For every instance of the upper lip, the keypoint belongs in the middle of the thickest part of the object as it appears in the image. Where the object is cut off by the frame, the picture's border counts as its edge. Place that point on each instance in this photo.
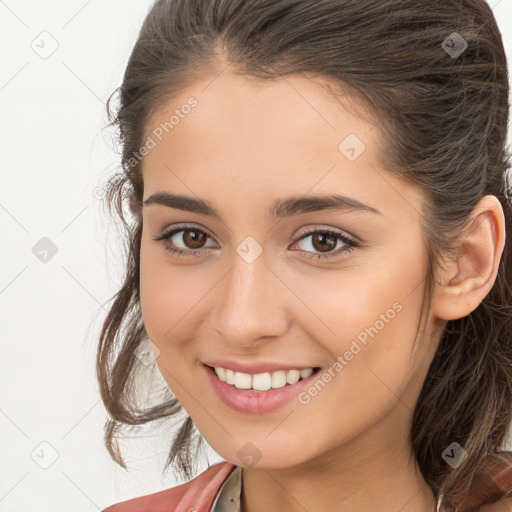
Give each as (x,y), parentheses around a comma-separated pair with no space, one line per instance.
(255,368)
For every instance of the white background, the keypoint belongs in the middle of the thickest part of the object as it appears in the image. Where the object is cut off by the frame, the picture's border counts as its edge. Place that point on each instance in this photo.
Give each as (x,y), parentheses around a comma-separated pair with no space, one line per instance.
(54,156)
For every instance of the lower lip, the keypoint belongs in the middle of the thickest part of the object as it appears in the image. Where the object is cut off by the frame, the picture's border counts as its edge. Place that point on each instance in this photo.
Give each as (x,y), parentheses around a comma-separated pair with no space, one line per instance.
(253,402)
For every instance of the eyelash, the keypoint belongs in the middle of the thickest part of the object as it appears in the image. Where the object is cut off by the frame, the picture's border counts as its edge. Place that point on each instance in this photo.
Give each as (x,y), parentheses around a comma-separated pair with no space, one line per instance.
(169,246)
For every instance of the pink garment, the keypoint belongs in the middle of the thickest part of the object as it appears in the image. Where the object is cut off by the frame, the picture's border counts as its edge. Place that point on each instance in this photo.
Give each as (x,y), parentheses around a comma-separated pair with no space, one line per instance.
(197,495)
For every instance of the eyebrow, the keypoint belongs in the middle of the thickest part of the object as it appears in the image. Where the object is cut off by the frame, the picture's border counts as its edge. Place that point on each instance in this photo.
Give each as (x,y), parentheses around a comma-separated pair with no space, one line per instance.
(280,209)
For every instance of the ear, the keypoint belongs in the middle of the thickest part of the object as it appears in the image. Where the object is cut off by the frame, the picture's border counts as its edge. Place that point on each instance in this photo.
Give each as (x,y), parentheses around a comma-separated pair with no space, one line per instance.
(469,277)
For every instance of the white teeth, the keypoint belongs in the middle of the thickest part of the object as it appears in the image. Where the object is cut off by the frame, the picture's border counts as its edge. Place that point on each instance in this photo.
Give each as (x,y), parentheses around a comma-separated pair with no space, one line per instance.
(306,373)
(242,380)
(221,372)
(293,376)
(279,379)
(230,376)
(262,381)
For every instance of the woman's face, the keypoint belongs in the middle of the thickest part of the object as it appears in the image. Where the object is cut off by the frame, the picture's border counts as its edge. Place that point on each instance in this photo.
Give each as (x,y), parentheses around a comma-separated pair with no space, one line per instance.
(255,285)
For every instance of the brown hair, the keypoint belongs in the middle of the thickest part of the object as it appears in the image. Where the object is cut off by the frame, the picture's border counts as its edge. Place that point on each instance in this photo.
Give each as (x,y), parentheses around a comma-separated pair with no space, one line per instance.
(444,126)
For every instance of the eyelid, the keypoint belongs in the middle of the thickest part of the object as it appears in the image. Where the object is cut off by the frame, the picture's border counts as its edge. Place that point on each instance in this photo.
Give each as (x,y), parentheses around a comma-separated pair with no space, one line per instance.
(308,230)
(305,230)
(349,240)
(182,227)
(350,243)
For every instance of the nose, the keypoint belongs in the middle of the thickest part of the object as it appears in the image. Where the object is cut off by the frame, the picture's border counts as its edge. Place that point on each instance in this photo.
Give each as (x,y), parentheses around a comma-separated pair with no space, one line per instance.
(251,303)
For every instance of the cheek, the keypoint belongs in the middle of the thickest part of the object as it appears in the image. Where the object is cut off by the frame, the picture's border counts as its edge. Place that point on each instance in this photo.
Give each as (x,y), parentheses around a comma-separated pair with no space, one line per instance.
(342,304)
(156,294)
(368,321)
(169,295)
(173,298)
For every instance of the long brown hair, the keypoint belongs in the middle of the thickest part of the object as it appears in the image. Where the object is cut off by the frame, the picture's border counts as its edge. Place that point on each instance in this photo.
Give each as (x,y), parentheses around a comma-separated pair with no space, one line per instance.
(443,120)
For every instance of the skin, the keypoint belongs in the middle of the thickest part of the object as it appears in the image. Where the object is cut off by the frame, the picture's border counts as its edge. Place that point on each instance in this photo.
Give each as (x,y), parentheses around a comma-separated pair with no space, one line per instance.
(245,145)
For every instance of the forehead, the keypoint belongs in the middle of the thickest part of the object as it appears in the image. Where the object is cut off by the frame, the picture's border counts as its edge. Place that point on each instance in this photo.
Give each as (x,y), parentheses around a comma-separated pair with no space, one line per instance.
(288,136)
(241,111)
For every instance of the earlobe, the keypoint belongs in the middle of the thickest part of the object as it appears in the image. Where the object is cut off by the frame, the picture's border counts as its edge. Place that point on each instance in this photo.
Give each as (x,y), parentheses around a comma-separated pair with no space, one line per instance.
(471,275)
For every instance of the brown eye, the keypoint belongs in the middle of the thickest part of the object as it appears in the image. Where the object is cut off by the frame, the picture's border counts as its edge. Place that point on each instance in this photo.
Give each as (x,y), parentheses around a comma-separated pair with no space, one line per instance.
(324,242)
(194,241)
(184,241)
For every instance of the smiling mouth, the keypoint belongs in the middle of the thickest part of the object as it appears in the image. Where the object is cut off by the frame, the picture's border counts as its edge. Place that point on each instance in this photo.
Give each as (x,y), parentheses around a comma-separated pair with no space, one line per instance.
(262,382)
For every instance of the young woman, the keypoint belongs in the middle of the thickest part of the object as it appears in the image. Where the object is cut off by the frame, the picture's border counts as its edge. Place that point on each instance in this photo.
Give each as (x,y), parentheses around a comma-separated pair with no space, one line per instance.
(319,254)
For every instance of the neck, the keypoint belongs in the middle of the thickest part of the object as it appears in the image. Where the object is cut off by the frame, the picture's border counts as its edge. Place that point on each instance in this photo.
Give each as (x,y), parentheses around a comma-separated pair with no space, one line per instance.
(278,491)
(367,474)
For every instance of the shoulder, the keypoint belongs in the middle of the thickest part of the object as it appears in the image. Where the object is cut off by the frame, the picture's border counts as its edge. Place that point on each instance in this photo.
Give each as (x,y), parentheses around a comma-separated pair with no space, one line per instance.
(504,505)
(499,485)
(198,493)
